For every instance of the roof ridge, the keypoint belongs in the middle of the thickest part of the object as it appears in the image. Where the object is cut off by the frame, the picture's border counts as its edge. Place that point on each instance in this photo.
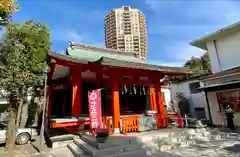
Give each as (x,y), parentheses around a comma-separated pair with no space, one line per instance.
(94,48)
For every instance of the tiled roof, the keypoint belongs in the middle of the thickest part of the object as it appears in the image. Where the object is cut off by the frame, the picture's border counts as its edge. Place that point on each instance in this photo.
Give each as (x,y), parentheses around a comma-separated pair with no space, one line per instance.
(92,53)
(120,63)
(222,73)
(127,64)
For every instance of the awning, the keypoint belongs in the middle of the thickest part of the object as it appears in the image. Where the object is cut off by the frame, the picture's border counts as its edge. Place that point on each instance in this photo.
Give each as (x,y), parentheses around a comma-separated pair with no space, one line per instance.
(222,86)
(225,73)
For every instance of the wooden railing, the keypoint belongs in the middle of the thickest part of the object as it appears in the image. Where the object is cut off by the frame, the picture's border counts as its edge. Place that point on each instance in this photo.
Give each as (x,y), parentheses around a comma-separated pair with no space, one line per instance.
(130,124)
(107,122)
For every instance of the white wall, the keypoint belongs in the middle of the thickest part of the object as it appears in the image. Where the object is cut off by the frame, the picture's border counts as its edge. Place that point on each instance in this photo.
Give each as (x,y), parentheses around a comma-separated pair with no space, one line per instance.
(167,95)
(214,108)
(227,49)
(196,99)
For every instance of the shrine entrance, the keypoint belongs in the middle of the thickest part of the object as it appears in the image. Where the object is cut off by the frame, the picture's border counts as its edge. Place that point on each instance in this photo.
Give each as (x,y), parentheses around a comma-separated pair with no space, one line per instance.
(134,99)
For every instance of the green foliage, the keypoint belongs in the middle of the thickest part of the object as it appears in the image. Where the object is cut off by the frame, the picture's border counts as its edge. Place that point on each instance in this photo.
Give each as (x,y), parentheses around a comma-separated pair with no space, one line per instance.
(22,63)
(23,55)
(199,64)
(7,7)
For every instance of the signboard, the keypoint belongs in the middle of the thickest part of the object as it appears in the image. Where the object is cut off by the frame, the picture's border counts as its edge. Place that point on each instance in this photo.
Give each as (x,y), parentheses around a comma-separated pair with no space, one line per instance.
(94,105)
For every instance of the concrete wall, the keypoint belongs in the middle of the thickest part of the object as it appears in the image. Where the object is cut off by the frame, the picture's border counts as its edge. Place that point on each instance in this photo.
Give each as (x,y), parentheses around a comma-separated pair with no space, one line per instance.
(217,118)
(197,99)
(224,53)
(167,95)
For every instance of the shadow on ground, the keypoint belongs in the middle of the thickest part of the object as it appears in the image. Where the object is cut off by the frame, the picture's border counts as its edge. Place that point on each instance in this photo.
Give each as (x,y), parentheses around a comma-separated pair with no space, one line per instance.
(235,148)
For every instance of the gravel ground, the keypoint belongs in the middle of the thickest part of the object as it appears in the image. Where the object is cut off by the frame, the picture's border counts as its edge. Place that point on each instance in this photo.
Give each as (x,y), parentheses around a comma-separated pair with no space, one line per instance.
(225,148)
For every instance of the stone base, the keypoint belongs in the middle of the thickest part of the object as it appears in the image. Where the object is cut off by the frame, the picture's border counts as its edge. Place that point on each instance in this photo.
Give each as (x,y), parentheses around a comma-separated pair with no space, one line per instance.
(116,130)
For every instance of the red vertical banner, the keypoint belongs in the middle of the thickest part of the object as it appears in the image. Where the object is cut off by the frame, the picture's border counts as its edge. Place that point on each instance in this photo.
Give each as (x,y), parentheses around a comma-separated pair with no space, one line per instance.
(94,105)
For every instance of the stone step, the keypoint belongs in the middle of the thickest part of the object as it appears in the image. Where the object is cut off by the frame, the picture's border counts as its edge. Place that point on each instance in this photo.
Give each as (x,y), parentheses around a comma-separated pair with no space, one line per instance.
(76,151)
(136,153)
(63,151)
(96,152)
(111,141)
(61,144)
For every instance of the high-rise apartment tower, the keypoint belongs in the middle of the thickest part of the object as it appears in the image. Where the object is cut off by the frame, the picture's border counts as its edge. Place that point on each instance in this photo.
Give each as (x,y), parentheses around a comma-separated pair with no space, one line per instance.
(125,30)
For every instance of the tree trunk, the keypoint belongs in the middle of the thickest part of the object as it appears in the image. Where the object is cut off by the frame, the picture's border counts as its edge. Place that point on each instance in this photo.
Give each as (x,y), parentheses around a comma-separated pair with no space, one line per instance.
(20,105)
(42,140)
(11,131)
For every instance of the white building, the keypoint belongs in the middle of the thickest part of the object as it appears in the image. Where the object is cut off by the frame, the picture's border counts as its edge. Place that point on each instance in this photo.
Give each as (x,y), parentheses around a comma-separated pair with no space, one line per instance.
(222,87)
(195,96)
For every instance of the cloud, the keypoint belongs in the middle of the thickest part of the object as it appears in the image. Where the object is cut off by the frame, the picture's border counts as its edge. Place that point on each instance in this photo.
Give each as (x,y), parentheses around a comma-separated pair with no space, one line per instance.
(64,35)
(184,51)
(179,22)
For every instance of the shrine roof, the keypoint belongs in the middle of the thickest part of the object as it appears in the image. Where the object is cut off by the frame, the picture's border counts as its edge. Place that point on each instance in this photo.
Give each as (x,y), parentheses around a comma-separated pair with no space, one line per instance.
(120,63)
(91,53)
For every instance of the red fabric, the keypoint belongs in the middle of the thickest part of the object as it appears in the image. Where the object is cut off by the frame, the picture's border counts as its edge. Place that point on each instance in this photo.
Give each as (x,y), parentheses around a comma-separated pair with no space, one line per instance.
(180,122)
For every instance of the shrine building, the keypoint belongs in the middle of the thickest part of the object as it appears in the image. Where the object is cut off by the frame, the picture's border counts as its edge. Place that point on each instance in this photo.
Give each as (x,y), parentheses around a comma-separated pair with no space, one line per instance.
(130,88)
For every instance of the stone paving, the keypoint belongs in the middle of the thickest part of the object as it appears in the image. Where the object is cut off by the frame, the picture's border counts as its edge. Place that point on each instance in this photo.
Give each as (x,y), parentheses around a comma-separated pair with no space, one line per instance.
(224,148)
(228,147)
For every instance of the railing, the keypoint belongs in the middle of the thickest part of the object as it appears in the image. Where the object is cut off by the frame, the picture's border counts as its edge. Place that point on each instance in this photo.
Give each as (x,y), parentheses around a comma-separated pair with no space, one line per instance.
(127,124)
(130,124)
(107,122)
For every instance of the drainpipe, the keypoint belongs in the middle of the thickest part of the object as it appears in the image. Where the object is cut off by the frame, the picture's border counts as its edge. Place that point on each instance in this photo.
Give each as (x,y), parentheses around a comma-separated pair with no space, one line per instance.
(208,106)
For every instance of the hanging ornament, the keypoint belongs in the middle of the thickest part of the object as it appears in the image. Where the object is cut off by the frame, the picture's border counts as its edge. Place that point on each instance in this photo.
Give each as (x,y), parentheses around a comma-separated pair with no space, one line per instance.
(134,89)
(125,88)
(144,91)
(140,90)
(130,89)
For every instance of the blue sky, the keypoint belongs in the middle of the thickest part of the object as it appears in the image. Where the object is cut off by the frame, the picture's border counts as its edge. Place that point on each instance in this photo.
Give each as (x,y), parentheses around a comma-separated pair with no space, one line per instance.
(171,24)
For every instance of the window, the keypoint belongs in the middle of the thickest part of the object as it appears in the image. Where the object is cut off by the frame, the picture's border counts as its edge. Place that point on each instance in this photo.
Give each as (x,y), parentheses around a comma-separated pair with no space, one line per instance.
(231,98)
(194,87)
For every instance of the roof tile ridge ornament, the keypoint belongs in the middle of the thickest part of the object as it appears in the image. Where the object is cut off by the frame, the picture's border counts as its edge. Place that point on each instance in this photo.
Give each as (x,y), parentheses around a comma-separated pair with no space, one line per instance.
(109,50)
(72,44)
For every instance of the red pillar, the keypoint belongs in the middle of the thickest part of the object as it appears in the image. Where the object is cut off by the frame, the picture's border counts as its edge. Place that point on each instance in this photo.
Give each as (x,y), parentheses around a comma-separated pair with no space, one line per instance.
(160,104)
(76,93)
(49,105)
(50,89)
(153,98)
(115,107)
